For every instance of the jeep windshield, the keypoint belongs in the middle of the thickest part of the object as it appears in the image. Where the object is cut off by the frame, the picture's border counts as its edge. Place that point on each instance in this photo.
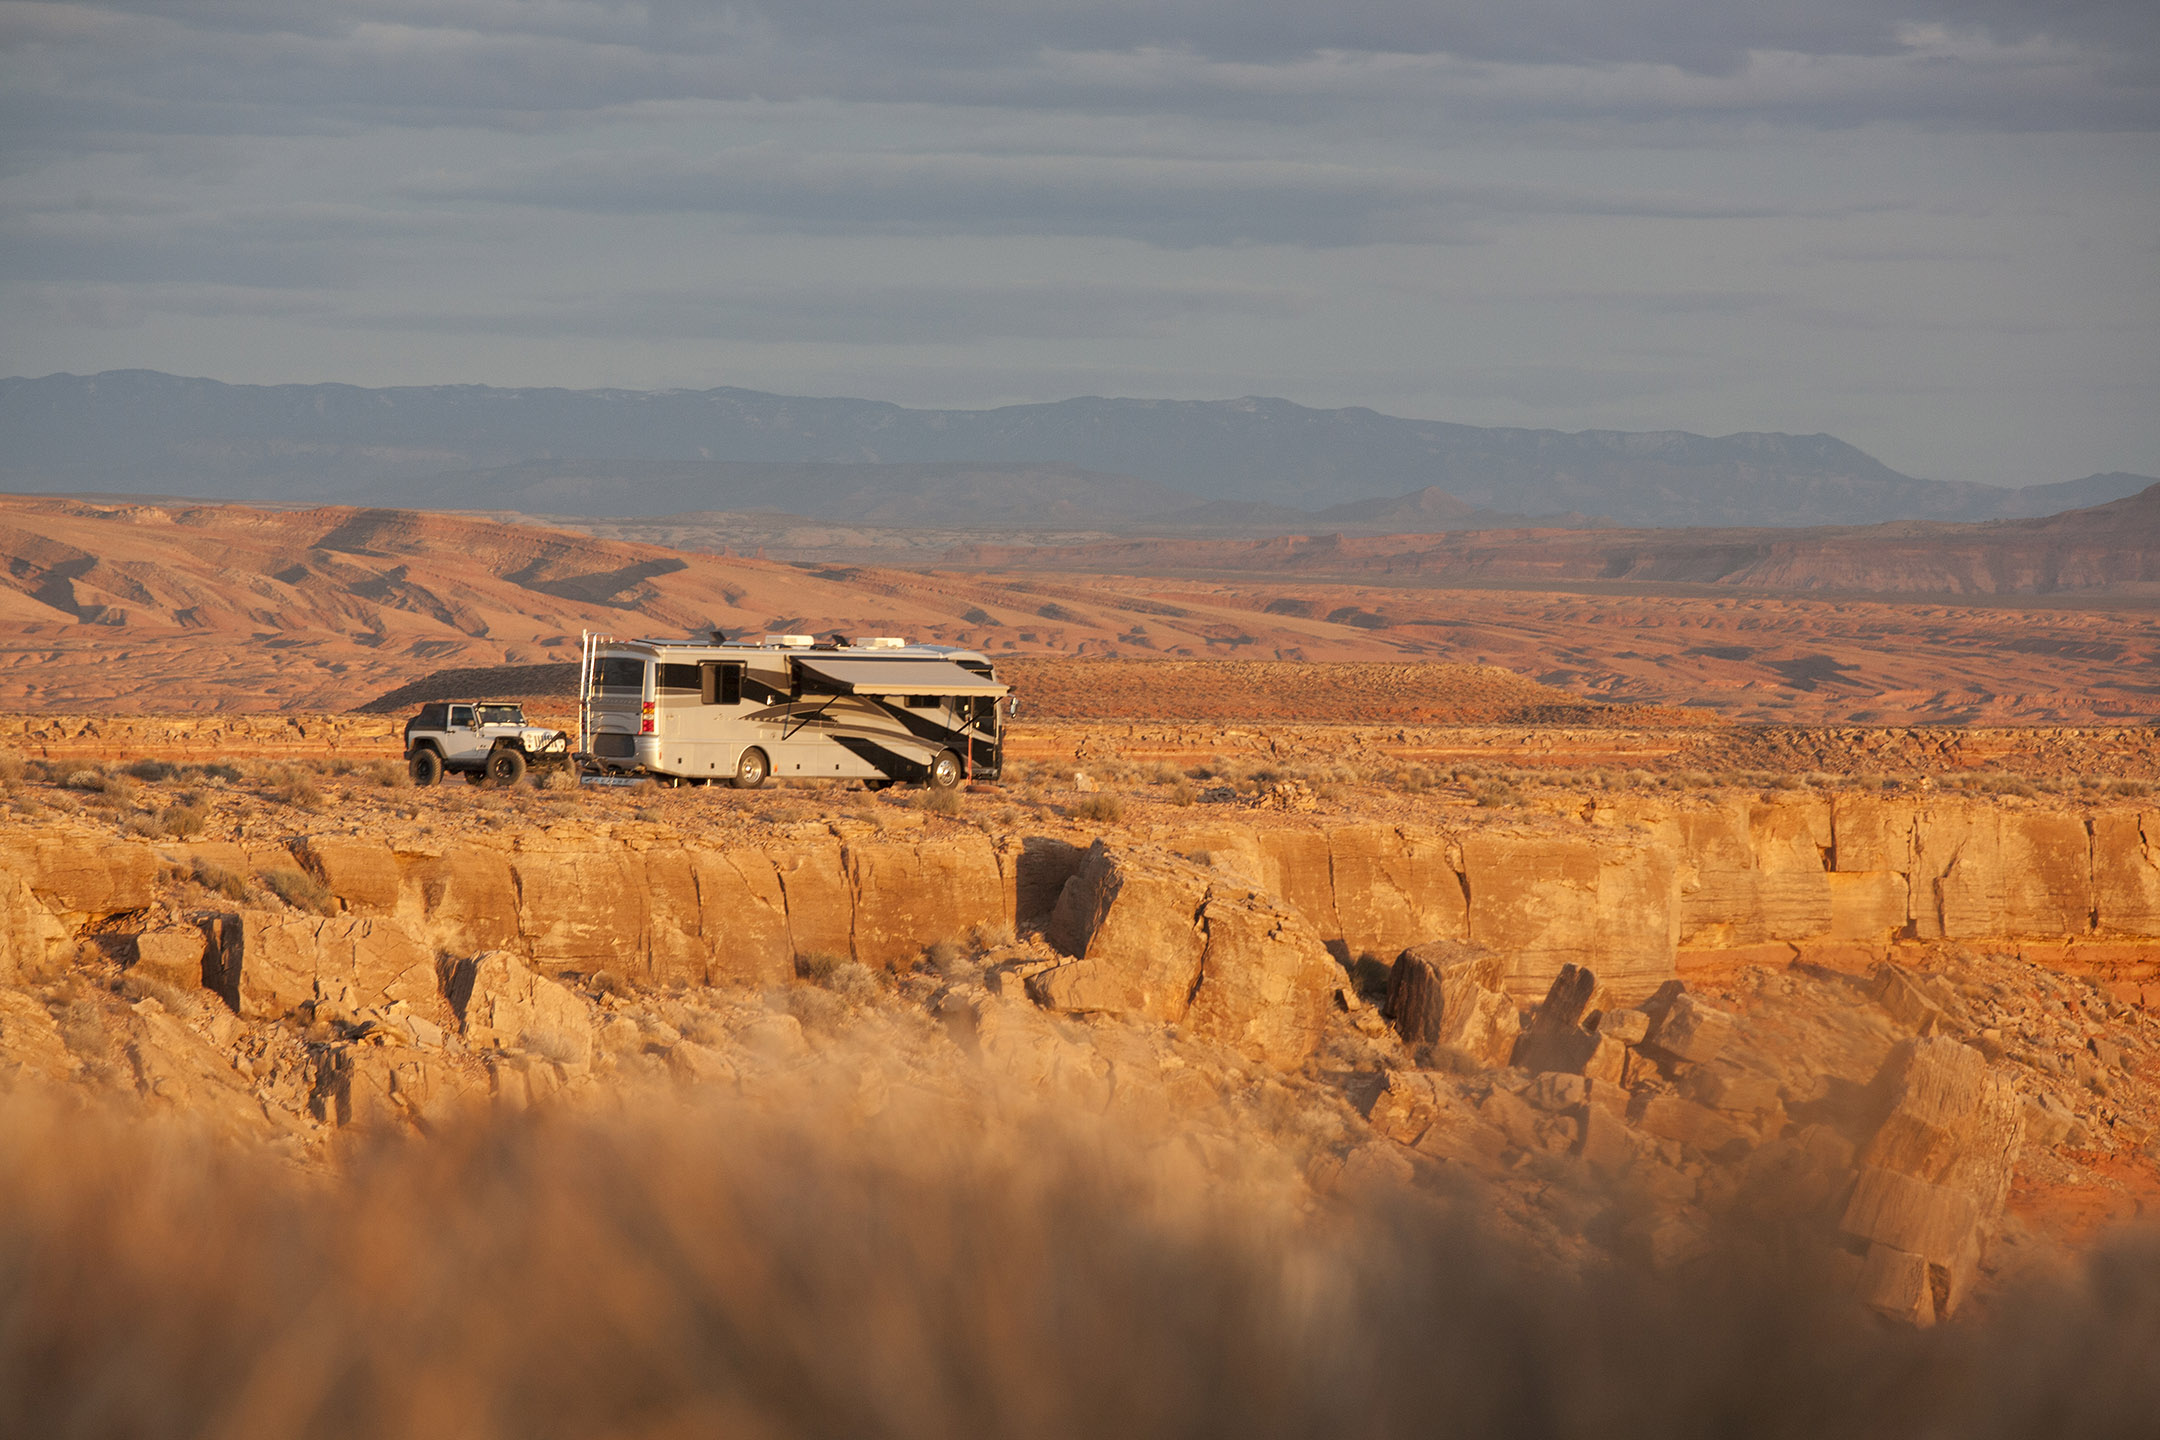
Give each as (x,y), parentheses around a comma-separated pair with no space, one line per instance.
(502,715)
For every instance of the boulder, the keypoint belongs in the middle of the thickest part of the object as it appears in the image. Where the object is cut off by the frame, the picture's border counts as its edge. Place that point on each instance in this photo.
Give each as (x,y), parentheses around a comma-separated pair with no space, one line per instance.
(81,877)
(502,1005)
(32,939)
(1690,1030)
(268,965)
(1266,981)
(1555,1039)
(1447,994)
(1936,1173)
(173,955)
(1157,937)
(375,1087)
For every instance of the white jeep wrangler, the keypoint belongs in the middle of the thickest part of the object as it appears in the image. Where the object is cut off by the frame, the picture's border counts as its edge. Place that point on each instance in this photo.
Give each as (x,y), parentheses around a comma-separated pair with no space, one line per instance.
(480,739)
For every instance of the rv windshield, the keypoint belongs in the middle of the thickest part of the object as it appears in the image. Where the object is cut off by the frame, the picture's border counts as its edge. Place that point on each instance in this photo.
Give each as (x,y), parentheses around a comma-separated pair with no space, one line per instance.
(619,672)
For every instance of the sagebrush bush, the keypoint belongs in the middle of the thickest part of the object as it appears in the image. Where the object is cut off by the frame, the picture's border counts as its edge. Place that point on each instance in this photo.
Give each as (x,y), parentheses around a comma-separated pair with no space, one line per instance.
(300,890)
(1102,808)
(220,881)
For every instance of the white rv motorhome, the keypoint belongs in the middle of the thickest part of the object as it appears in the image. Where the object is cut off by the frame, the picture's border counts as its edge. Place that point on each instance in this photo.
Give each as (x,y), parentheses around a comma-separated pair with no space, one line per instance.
(879,711)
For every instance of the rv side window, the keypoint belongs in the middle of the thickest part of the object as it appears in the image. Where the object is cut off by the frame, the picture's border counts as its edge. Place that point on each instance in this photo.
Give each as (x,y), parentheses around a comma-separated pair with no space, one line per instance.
(619,672)
(925,702)
(722,683)
(677,680)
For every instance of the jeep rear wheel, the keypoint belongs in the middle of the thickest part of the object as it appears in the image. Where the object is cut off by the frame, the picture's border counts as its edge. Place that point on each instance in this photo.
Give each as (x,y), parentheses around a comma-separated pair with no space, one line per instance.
(506,766)
(425,767)
(751,768)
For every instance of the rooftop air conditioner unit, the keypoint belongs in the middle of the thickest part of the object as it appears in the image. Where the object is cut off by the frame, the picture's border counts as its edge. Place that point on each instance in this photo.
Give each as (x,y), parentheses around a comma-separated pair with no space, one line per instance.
(791,640)
(885,642)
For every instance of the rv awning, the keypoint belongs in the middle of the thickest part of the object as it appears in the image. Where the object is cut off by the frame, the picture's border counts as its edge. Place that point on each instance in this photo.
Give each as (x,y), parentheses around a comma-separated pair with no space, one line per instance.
(899,677)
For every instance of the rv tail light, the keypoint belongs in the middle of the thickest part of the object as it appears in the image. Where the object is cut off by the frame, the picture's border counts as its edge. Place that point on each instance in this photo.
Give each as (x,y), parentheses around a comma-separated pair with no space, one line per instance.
(645,718)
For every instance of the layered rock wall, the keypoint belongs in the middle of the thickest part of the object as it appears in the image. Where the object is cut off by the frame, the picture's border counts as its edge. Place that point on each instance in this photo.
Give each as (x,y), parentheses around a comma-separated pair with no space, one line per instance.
(1636,890)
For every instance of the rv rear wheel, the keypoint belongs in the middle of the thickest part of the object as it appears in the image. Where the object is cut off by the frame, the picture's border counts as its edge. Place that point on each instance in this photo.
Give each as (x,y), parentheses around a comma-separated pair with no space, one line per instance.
(425,767)
(751,769)
(944,771)
(506,766)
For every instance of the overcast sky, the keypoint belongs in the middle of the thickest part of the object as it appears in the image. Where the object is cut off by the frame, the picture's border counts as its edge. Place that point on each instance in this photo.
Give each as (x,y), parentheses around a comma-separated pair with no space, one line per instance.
(1931,227)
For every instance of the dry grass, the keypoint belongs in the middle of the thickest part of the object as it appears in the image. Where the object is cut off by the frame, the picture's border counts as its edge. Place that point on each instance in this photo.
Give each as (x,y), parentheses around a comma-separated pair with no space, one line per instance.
(300,890)
(725,1273)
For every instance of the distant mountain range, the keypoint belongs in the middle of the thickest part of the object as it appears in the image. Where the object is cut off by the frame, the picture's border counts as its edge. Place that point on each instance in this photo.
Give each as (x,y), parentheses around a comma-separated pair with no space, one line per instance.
(1080,462)
(2110,549)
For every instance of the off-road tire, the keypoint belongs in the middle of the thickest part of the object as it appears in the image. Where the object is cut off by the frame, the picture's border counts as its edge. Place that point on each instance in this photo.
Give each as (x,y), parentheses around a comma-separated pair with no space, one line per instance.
(945,773)
(506,766)
(751,769)
(425,767)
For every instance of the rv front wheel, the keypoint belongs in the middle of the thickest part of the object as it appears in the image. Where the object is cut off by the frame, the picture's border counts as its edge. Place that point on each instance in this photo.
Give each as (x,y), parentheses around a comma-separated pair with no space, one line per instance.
(945,771)
(751,769)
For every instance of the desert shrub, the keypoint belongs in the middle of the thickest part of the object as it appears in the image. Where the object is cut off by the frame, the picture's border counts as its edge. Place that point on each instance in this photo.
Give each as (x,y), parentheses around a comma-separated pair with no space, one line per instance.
(2129,789)
(938,802)
(300,890)
(297,790)
(151,771)
(136,986)
(213,770)
(12,768)
(1101,808)
(182,822)
(1184,794)
(817,966)
(220,881)
(387,774)
(1495,794)
(1164,773)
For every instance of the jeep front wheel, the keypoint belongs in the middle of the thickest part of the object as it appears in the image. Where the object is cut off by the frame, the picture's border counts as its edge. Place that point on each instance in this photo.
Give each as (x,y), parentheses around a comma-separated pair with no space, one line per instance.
(506,766)
(751,768)
(425,767)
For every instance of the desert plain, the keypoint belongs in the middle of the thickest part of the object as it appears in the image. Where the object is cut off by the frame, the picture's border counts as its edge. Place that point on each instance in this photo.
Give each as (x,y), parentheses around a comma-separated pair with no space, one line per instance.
(1393,980)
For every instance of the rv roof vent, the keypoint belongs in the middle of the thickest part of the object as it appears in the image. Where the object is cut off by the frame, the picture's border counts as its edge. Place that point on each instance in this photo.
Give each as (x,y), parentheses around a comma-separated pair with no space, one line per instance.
(885,642)
(790,639)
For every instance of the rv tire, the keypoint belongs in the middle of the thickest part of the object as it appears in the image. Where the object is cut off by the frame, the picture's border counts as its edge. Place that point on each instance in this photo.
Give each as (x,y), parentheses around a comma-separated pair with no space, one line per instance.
(751,768)
(425,767)
(506,766)
(944,771)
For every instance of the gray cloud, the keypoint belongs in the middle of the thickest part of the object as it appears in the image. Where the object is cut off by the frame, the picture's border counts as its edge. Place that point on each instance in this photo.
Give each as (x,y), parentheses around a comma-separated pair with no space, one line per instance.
(267,65)
(861,314)
(1165,200)
(1638,213)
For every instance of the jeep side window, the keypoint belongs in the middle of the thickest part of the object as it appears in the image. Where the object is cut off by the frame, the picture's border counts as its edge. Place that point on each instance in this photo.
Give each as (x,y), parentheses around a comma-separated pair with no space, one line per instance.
(460,716)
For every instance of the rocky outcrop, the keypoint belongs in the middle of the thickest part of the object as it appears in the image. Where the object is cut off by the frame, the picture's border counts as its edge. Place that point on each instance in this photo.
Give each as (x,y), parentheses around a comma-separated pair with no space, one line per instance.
(268,965)
(502,1005)
(1934,1177)
(1160,938)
